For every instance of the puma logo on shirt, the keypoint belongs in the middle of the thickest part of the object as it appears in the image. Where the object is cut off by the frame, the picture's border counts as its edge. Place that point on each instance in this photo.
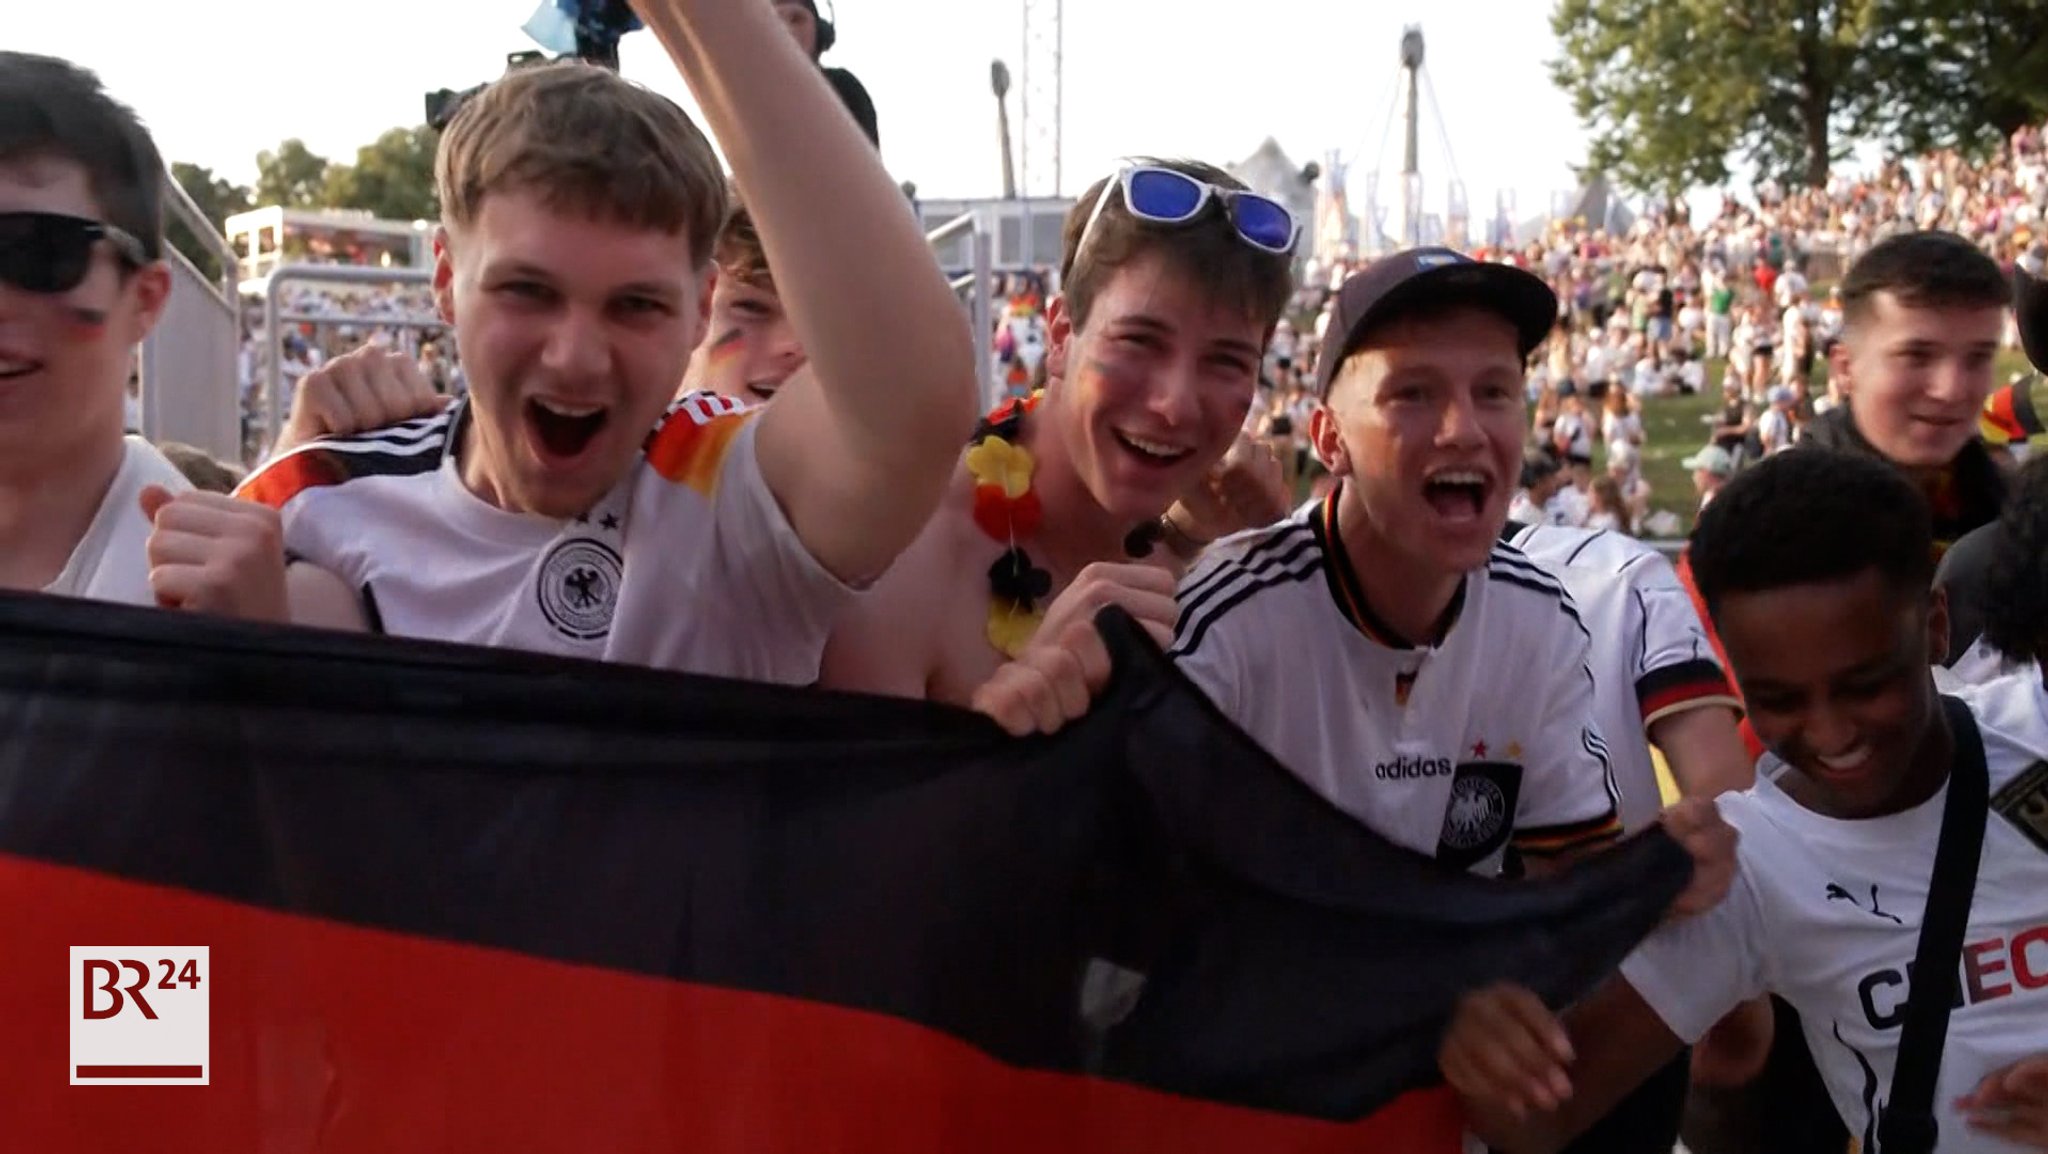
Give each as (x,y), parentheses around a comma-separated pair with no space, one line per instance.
(1838,894)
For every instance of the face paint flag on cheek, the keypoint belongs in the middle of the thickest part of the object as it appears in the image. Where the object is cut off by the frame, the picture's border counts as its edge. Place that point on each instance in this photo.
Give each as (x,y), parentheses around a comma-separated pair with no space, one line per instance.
(547,905)
(727,347)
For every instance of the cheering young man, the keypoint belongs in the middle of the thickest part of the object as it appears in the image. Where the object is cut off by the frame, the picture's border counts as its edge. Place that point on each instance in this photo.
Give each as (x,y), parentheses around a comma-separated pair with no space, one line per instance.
(1174,278)
(1816,570)
(1427,678)
(574,263)
(1158,335)
(1922,317)
(82,282)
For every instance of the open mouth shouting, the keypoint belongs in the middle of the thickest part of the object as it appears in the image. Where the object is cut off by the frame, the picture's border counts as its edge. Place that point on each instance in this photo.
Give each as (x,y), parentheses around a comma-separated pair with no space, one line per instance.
(1151,453)
(1457,496)
(559,432)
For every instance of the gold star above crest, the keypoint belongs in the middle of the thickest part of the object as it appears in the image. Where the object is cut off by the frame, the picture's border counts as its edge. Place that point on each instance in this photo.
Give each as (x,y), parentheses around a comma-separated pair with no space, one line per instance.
(1514,751)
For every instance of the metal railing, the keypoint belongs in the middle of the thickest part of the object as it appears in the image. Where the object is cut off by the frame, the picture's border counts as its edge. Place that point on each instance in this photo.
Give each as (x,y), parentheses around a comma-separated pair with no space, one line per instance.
(978,292)
(275,318)
(974,287)
(190,389)
(182,207)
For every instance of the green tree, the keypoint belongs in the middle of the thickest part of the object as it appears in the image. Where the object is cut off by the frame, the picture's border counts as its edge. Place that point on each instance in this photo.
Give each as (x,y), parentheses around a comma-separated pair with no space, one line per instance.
(293,176)
(217,199)
(1963,76)
(1672,90)
(393,176)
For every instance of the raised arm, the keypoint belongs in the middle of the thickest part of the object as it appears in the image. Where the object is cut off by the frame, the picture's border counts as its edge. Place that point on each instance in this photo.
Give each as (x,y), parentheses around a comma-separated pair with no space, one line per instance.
(857,450)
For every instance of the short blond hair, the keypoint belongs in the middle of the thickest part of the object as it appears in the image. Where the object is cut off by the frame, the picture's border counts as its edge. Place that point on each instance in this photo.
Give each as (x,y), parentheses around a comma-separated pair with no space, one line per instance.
(588,142)
(740,253)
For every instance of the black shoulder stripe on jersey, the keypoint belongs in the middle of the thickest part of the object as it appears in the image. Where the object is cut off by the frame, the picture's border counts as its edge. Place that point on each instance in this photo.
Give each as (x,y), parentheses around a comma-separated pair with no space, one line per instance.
(1554,592)
(1287,534)
(363,460)
(404,435)
(1573,556)
(1517,563)
(1636,560)
(1191,629)
(1194,605)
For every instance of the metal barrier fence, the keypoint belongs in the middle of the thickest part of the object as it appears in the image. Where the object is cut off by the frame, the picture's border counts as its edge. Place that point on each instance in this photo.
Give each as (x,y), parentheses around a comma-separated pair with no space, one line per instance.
(975,290)
(190,389)
(979,294)
(274,320)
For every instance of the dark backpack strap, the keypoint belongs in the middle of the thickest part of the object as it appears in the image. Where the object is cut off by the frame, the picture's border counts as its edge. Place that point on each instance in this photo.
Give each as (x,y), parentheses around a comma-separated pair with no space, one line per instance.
(1907,1124)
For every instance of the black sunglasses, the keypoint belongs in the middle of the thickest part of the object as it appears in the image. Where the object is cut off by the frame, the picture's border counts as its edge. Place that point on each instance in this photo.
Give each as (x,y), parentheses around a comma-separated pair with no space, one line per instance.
(48,252)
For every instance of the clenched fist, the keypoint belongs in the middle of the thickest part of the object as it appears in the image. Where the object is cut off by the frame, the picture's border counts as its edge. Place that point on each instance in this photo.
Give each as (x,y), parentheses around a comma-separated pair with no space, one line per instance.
(210,553)
(1053,682)
(362,389)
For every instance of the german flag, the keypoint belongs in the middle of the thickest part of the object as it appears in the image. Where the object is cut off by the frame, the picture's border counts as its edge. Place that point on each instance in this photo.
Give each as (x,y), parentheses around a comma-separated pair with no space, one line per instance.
(460,899)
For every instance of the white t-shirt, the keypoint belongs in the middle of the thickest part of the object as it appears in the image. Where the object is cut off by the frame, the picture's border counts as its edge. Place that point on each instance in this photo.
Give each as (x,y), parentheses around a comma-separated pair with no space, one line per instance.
(687,564)
(1524,508)
(1650,654)
(1826,914)
(1571,506)
(1622,427)
(1453,750)
(111,562)
(1774,429)
(1575,434)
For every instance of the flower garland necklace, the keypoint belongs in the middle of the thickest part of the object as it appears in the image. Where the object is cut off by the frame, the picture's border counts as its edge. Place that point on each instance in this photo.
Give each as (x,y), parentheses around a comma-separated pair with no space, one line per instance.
(1008,510)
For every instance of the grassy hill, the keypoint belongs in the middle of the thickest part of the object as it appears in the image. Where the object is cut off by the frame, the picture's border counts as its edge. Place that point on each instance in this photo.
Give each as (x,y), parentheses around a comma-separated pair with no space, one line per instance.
(1674,429)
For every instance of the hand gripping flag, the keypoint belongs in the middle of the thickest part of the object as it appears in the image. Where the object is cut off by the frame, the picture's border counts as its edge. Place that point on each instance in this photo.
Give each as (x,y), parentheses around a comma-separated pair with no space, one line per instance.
(459,899)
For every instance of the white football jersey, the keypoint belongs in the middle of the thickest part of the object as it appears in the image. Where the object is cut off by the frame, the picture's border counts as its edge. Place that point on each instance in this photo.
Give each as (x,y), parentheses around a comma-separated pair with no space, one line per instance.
(688,564)
(1651,657)
(1457,750)
(1826,914)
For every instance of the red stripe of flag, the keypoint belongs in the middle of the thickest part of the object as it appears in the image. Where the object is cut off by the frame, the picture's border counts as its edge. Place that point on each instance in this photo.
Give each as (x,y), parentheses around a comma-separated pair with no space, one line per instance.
(340,1038)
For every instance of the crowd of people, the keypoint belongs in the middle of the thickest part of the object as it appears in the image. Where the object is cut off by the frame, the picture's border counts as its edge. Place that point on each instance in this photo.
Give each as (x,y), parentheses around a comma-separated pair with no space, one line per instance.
(1472,666)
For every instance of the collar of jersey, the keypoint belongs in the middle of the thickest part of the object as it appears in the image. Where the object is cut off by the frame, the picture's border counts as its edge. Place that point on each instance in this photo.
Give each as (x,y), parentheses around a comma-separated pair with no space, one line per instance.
(1349,594)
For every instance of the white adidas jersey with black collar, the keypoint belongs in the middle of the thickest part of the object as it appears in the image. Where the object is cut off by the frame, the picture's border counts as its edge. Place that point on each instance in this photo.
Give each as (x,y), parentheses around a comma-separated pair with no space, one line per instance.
(1826,914)
(1458,750)
(1651,657)
(688,564)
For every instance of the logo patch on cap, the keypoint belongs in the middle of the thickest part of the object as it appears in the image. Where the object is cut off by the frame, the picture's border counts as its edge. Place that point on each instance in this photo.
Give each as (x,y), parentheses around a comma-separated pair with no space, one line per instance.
(1437,259)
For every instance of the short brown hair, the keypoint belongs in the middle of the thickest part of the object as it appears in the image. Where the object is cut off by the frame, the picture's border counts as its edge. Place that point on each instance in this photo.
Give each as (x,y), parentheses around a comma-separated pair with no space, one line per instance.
(57,110)
(588,142)
(738,251)
(1207,251)
(1923,270)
